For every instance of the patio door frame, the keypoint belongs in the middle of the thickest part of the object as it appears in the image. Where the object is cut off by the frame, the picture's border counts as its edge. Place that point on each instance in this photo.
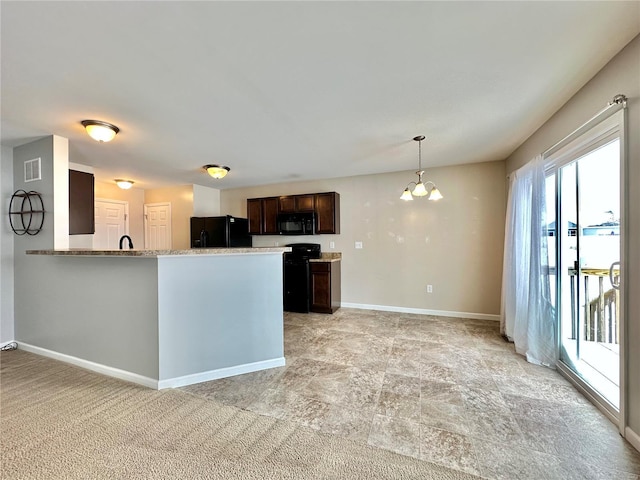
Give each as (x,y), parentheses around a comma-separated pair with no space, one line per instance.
(597,132)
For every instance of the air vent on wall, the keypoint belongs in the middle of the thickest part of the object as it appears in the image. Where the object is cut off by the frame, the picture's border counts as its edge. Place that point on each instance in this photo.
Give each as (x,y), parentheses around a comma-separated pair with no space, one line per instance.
(32,170)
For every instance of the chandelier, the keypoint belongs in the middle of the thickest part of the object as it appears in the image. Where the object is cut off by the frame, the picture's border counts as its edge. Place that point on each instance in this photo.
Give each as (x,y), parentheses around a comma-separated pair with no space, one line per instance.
(420,187)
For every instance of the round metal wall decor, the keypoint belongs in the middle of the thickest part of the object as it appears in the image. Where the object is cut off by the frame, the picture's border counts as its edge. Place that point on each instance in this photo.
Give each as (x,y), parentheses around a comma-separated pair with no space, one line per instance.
(30,209)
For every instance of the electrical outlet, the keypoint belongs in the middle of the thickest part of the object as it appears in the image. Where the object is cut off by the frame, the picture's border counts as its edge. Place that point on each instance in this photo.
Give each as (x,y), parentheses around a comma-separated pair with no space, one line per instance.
(332,244)
(429,288)
(358,244)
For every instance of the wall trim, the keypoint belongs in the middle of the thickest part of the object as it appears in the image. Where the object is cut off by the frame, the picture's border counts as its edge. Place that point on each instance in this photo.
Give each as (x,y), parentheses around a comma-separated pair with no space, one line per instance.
(422,311)
(220,373)
(94,367)
(632,437)
(150,382)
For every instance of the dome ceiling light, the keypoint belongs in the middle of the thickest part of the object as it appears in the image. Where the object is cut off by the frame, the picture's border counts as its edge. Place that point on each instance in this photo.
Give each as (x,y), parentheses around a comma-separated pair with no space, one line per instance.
(217,171)
(124,184)
(100,131)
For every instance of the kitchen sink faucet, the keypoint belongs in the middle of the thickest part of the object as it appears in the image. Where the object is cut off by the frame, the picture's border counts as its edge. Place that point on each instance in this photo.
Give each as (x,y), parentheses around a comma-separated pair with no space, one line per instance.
(129,239)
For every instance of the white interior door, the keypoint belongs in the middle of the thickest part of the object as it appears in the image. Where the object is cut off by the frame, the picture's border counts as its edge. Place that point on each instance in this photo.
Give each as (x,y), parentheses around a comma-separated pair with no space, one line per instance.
(157,226)
(111,222)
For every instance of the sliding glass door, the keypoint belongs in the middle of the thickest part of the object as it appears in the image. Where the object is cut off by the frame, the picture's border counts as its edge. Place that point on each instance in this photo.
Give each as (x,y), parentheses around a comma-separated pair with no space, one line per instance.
(592,250)
(584,238)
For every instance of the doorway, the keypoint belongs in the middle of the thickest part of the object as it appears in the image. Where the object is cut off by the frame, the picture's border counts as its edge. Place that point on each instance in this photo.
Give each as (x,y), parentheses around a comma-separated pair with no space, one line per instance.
(157,226)
(111,222)
(585,248)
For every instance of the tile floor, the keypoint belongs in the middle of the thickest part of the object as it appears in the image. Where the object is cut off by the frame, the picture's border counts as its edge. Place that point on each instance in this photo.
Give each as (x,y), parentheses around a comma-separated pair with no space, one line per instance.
(445,390)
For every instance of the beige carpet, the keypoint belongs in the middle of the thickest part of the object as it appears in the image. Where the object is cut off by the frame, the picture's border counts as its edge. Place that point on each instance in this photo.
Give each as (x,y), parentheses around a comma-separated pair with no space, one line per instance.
(59,421)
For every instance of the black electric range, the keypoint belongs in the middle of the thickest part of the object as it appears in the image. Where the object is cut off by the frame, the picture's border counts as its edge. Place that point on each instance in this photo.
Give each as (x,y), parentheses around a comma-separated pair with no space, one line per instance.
(297,276)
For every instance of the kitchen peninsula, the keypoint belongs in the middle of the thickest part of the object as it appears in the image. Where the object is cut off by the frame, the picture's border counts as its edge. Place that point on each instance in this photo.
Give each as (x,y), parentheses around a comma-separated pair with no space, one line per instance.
(160,318)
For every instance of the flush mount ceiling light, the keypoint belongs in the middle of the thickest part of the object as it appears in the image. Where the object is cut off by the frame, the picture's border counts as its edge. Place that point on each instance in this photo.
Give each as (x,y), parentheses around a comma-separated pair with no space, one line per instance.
(217,171)
(124,184)
(100,131)
(420,189)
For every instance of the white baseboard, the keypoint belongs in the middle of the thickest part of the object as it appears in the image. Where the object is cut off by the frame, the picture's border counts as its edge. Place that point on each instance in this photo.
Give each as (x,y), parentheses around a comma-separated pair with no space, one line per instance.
(94,367)
(150,382)
(422,311)
(220,373)
(632,437)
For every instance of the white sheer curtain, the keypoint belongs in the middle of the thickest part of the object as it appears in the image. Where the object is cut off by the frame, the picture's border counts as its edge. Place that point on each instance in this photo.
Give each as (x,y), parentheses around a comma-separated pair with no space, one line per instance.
(527,316)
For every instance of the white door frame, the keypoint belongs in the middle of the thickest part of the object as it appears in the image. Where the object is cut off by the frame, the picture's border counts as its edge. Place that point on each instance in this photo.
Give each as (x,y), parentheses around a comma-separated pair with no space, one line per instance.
(146,225)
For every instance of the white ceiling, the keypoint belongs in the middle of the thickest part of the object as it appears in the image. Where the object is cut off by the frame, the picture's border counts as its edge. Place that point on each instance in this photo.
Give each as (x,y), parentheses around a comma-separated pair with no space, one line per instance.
(283,91)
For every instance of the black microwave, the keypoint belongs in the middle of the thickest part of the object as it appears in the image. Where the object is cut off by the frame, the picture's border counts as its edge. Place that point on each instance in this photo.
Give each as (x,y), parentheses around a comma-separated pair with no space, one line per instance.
(296,223)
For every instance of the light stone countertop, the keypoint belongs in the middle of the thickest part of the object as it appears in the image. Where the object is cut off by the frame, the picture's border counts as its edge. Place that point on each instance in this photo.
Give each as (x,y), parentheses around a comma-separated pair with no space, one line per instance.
(80,252)
(328,257)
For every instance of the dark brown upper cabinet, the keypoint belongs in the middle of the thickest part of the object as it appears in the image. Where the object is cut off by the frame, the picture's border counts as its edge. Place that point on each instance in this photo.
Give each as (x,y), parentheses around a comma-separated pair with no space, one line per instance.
(297,203)
(327,212)
(262,214)
(81,203)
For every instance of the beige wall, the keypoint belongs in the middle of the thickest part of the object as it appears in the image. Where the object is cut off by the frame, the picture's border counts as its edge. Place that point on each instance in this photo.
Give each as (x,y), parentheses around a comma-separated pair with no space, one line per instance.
(135,198)
(621,75)
(206,201)
(455,244)
(181,199)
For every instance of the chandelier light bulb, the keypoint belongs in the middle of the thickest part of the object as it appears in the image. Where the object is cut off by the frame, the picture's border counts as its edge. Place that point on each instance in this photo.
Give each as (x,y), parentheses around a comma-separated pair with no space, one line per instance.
(435,194)
(420,190)
(406,195)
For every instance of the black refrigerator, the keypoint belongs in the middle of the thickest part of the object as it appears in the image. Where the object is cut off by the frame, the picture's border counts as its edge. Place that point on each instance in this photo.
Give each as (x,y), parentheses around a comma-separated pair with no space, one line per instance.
(225,232)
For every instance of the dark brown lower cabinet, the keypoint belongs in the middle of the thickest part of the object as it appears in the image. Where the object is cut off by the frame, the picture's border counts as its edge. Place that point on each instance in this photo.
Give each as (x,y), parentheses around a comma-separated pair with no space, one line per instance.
(325,287)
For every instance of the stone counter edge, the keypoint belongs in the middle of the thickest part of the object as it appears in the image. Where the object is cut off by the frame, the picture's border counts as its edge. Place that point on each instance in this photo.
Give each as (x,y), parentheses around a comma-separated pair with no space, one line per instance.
(73,252)
(328,257)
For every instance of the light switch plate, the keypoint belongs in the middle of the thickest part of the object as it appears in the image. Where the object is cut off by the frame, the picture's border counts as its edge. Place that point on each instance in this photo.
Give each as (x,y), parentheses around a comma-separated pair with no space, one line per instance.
(358,244)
